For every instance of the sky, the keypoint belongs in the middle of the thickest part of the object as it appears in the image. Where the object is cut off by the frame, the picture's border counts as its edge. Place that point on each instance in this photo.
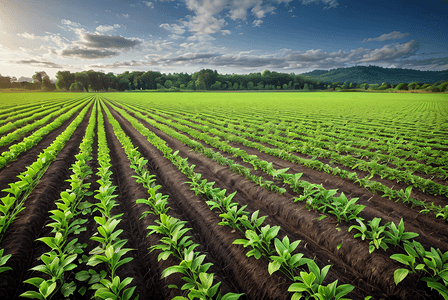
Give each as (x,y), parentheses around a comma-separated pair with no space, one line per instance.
(230,36)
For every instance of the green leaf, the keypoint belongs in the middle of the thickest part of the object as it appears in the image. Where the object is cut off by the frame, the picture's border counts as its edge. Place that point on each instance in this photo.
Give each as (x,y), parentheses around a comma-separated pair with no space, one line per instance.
(343,290)
(297,287)
(171,270)
(82,275)
(273,266)
(399,275)
(33,295)
(231,296)
(68,288)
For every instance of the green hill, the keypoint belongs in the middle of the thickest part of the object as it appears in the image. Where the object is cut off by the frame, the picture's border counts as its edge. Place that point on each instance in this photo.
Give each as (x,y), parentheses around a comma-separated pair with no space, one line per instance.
(373,74)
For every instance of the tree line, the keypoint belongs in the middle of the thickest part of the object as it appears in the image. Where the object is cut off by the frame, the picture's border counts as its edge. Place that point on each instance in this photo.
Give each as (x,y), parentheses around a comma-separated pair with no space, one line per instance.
(205,79)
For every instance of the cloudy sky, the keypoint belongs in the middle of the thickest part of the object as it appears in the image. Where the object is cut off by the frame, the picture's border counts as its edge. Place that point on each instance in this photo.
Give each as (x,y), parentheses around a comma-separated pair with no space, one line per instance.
(231,36)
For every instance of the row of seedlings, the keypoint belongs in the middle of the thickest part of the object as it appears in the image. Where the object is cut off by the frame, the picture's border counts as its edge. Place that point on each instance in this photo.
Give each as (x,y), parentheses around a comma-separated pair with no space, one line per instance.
(32,140)
(175,242)
(263,241)
(14,201)
(110,250)
(65,249)
(7,113)
(28,116)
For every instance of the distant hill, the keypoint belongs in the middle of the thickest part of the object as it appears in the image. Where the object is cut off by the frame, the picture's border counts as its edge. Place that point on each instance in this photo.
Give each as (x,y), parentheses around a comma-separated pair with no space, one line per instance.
(373,74)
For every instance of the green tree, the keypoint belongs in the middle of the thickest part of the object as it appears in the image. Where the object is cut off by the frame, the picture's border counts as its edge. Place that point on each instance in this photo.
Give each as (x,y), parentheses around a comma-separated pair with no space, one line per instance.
(168,84)
(384,86)
(216,86)
(64,80)
(47,85)
(412,85)
(250,85)
(76,87)
(402,86)
(235,86)
(83,79)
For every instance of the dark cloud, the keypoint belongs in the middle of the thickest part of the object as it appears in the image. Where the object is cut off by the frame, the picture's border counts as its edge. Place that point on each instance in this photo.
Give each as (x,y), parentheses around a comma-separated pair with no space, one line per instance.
(194,56)
(45,64)
(107,41)
(88,53)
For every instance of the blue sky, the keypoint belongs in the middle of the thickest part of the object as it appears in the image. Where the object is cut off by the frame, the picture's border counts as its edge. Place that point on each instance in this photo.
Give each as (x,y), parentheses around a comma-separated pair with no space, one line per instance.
(231,36)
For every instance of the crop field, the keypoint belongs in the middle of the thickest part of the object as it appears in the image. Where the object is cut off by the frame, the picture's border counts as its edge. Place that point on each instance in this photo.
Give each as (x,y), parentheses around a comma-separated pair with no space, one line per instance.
(223,196)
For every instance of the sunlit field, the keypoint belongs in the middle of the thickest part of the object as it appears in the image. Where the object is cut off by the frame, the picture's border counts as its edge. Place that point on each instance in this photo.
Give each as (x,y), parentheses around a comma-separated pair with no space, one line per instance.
(230,195)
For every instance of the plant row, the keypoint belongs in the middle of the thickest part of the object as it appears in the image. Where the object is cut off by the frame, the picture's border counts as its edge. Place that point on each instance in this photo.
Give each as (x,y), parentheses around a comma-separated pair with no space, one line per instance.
(22,131)
(29,115)
(67,223)
(32,140)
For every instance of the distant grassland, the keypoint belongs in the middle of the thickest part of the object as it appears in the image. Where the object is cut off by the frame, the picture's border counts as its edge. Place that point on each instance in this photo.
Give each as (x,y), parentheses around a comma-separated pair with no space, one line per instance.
(11,99)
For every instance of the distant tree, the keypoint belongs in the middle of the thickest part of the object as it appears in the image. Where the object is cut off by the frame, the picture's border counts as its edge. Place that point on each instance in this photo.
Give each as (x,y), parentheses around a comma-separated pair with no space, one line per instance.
(345,86)
(402,86)
(235,86)
(122,84)
(250,85)
(76,87)
(5,82)
(412,85)
(443,87)
(306,87)
(216,86)
(168,84)
(384,86)
(190,85)
(285,86)
(47,85)
(39,76)
(182,86)
(265,73)
(260,86)
(64,80)
(433,88)
(373,86)
(83,79)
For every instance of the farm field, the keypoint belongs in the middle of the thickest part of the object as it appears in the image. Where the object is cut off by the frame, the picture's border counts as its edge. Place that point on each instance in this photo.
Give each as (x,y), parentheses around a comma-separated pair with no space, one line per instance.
(223,196)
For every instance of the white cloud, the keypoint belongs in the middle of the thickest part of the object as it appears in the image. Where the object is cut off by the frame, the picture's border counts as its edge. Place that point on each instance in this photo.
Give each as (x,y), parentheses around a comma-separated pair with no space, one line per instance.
(174,28)
(391,52)
(149,4)
(125,15)
(328,3)
(387,36)
(225,32)
(70,23)
(104,28)
(257,23)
